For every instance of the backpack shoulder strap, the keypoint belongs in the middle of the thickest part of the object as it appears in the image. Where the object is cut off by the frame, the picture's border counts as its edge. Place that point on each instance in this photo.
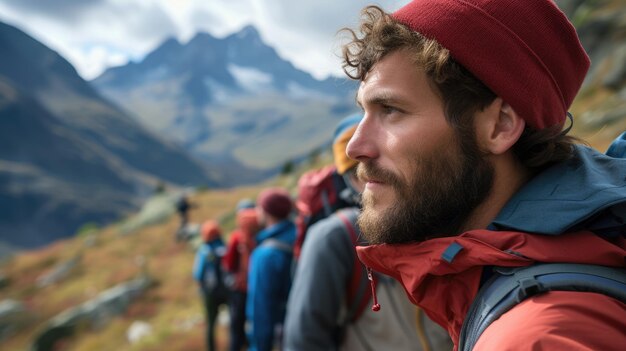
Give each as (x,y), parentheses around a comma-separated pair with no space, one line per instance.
(358,293)
(510,286)
(277,244)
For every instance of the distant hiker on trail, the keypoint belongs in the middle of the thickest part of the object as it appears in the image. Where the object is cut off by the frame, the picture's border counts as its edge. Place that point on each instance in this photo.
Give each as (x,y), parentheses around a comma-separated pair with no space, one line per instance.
(507,232)
(207,271)
(240,246)
(269,277)
(328,306)
(183,205)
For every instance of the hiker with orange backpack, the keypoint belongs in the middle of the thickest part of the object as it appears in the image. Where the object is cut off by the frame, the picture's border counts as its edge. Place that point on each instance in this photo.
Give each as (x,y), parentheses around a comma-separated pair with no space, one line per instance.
(235,262)
(327,308)
(269,272)
(504,230)
(207,271)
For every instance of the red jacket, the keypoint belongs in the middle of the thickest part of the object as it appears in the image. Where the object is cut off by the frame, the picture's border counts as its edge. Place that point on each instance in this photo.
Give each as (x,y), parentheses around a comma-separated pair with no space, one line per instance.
(240,245)
(552,321)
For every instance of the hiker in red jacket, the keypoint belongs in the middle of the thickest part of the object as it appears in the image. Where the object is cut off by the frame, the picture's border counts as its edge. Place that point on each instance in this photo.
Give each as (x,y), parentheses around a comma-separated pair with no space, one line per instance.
(240,245)
(468,166)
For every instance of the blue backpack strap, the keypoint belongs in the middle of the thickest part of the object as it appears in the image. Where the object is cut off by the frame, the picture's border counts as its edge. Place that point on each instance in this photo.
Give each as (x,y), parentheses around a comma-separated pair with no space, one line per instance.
(510,286)
(278,245)
(617,148)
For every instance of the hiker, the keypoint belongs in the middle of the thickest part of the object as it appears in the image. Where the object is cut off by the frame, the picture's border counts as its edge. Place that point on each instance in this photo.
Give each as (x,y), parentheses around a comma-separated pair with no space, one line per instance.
(469,169)
(240,245)
(269,277)
(183,205)
(208,273)
(327,308)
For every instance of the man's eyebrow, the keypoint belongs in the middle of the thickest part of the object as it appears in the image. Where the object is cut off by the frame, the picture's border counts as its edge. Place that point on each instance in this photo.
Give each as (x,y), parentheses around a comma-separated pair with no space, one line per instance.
(379,99)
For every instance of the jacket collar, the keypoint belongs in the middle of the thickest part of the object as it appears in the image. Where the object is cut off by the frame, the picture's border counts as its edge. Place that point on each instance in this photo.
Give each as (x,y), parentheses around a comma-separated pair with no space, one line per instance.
(274,230)
(443,275)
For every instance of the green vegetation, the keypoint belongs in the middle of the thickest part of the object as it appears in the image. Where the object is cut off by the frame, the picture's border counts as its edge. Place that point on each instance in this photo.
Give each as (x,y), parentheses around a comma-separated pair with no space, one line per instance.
(87,229)
(287,168)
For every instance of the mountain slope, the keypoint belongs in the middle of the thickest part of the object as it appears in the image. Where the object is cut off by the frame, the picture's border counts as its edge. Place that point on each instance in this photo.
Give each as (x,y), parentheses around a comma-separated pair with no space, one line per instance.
(67,156)
(51,179)
(600,107)
(31,67)
(232,101)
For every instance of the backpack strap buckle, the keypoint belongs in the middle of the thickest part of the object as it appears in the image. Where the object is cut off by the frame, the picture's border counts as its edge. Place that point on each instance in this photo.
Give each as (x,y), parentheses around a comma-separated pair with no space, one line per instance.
(528,287)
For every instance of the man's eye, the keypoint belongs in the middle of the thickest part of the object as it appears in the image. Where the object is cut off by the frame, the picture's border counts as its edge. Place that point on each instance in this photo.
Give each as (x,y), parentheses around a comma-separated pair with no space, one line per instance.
(389,109)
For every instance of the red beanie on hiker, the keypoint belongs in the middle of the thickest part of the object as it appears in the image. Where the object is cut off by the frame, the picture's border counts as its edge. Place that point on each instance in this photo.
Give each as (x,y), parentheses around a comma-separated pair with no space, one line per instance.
(275,202)
(527,52)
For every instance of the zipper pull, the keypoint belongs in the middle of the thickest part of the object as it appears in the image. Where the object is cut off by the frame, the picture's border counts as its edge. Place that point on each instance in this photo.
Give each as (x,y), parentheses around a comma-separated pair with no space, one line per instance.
(370,276)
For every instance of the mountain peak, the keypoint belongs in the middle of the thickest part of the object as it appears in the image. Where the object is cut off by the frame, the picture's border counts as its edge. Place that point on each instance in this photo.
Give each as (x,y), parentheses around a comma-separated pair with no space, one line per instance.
(203,38)
(171,42)
(248,31)
(247,34)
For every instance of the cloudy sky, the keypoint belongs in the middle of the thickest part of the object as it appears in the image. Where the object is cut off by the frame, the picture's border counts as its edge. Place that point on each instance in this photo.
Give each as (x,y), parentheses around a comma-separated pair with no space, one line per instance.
(96,34)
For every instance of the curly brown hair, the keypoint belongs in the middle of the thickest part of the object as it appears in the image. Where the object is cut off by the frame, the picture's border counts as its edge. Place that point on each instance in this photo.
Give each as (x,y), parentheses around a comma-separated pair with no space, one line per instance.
(461,92)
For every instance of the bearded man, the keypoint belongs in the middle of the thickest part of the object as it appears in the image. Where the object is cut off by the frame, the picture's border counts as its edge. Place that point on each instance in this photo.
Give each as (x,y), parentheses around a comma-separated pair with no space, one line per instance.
(468,166)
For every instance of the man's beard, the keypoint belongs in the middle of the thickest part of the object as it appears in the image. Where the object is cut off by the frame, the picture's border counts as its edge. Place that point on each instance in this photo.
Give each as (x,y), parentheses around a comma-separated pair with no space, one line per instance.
(443,194)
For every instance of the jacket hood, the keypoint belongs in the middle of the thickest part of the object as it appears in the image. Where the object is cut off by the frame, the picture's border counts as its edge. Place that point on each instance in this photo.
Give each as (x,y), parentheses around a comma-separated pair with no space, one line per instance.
(284,231)
(443,275)
(588,191)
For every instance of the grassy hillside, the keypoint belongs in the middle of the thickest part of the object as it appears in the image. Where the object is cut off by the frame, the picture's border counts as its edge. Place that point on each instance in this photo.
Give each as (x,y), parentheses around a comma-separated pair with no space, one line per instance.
(120,252)
(114,255)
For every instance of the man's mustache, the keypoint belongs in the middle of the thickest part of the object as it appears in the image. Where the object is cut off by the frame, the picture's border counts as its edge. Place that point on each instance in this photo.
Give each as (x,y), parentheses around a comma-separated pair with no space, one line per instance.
(368,171)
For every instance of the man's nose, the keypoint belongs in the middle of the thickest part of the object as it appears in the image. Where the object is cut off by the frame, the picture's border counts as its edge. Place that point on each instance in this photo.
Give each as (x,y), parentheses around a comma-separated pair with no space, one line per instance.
(362,145)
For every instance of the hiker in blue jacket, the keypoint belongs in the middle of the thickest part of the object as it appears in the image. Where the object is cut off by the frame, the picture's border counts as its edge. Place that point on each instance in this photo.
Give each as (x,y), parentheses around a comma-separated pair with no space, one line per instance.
(207,272)
(269,276)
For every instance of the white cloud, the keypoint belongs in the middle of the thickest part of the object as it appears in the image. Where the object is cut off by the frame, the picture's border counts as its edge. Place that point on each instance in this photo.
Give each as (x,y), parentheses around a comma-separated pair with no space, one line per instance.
(97,34)
(91,61)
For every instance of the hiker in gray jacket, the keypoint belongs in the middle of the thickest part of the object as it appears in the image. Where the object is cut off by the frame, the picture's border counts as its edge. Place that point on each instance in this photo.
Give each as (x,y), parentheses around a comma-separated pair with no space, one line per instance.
(328,306)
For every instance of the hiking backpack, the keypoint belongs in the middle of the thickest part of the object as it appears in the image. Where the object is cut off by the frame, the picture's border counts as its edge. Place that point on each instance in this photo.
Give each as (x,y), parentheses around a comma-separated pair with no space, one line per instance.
(510,286)
(318,198)
(213,277)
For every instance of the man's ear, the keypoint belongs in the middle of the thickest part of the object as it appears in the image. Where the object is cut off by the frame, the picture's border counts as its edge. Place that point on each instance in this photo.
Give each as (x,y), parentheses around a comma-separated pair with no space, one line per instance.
(498,127)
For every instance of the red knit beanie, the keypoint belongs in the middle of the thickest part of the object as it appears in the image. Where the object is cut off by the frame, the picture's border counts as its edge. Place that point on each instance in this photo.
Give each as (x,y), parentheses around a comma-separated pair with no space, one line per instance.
(525,51)
(209,231)
(275,202)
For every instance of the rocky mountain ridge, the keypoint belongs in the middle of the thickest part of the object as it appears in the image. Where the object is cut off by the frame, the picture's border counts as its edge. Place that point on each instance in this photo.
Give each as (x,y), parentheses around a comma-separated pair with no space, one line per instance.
(232,101)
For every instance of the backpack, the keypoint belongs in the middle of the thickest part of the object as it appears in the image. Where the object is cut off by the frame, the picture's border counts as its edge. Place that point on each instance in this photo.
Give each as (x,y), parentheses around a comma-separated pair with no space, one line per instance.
(318,198)
(213,279)
(617,148)
(510,286)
